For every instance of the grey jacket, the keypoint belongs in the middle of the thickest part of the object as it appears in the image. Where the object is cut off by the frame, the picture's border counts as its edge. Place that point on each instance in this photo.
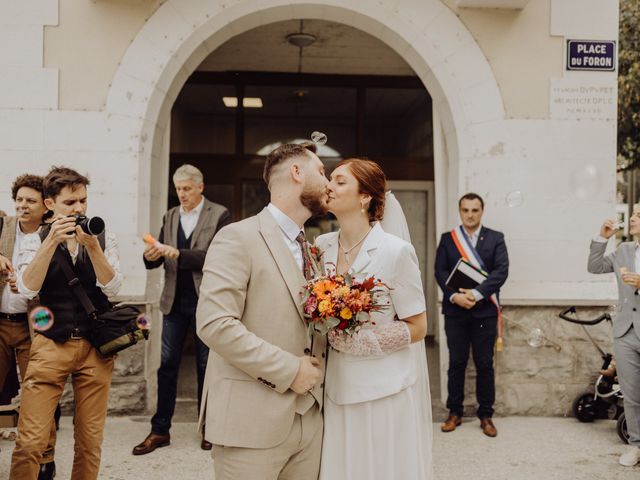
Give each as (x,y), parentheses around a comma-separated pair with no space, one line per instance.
(628,309)
(212,218)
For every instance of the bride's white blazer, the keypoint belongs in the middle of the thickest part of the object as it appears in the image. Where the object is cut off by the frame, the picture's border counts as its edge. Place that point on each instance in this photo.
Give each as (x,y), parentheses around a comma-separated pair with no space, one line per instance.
(354,379)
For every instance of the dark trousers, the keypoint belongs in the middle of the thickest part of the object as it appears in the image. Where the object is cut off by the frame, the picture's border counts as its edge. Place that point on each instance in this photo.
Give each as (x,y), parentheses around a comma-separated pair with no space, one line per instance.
(479,335)
(174,331)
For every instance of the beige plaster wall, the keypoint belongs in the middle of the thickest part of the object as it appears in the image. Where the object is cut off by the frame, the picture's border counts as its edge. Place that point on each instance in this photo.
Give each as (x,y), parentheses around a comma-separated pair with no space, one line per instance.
(521,52)
(93,36)
(88,43)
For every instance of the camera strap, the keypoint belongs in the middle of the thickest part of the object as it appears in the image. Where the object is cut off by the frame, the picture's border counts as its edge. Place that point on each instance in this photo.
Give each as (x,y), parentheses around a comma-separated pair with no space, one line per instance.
(74,283)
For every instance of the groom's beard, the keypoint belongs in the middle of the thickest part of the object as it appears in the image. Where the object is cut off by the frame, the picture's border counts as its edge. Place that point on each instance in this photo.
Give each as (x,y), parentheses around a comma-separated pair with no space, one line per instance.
(315,201)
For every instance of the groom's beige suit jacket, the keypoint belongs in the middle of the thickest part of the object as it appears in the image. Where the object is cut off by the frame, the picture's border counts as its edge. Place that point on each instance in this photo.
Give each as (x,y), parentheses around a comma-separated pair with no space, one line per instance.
(249,314)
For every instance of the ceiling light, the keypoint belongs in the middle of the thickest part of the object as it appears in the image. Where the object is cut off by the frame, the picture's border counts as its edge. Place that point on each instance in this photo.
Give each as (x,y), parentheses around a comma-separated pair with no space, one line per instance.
(301,39)
(247,102)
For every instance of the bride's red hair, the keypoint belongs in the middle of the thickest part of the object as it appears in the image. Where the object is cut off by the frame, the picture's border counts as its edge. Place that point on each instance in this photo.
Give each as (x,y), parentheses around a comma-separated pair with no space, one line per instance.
(372,181)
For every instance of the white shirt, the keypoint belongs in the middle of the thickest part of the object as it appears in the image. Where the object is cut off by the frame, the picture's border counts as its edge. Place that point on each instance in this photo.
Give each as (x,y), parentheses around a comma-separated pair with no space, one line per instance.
(473,238)
(189,219)
(31,244)
(290,230)
(14,302)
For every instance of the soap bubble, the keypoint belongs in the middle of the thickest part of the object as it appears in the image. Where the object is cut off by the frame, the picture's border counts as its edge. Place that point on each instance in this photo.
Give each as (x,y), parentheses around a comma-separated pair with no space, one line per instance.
(514,199)
(585,182)
(536,338)
(143,322)
(41,318)
(319,138)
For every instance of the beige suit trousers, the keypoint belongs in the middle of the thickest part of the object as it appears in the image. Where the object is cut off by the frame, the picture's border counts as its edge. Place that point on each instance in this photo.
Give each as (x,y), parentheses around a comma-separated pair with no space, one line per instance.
(50,364)
(297,458)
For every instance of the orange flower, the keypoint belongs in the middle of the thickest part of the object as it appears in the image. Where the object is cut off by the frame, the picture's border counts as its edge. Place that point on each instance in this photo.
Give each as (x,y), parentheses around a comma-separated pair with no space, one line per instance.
(323,288)
(346,313)
(343,292)
(324,307)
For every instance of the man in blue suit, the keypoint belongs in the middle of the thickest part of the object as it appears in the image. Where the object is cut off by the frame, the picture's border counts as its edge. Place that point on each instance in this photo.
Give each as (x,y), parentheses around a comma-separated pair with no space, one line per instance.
(471,316)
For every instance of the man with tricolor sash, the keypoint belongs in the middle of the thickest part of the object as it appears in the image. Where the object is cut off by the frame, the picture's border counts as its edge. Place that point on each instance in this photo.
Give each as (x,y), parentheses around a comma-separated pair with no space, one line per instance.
(473,320)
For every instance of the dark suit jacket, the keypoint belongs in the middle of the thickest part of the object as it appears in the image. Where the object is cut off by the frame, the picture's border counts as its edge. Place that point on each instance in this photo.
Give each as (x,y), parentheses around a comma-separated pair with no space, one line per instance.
(493,251)
(212,218)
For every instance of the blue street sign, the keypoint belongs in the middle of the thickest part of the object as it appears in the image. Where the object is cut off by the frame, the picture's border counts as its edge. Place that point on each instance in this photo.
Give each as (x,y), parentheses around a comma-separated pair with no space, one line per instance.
(591,55)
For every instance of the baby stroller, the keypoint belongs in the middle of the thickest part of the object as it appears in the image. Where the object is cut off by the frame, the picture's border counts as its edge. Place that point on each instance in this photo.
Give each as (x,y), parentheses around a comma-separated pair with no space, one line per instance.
(606,399)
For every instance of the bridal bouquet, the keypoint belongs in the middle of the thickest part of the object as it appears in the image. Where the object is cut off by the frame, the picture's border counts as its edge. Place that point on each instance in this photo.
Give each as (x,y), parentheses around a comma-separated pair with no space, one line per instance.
(340,301)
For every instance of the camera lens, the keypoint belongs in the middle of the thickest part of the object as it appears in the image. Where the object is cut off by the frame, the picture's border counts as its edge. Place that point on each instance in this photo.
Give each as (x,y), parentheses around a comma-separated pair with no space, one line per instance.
(90,225)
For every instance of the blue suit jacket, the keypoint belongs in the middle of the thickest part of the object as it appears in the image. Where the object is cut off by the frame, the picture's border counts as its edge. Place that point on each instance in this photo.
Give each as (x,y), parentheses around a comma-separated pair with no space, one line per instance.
(493,251)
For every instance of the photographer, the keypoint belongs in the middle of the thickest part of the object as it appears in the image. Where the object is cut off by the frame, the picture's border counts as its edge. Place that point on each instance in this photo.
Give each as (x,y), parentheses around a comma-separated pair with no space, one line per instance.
(63,349)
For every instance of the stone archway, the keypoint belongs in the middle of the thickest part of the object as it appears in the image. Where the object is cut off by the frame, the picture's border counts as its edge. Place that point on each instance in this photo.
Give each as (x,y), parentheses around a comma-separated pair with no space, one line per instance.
(429,36)
(468,107)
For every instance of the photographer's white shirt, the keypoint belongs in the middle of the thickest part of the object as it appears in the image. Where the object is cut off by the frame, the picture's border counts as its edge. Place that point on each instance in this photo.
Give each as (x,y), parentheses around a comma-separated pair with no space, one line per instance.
(31,243)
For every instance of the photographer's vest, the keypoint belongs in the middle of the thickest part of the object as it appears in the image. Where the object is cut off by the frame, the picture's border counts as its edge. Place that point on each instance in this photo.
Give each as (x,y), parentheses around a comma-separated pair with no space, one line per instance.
(58,297)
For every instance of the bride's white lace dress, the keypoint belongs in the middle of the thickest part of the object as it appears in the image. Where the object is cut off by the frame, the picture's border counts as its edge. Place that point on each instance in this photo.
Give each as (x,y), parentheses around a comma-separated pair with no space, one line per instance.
(377,410)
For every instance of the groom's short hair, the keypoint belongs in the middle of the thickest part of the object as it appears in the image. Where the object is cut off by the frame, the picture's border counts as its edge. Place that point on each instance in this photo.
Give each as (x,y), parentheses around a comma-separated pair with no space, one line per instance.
(283,153)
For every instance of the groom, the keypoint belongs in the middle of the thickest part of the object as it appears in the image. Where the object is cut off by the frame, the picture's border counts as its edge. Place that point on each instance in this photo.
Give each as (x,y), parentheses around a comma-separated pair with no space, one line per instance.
(262,395)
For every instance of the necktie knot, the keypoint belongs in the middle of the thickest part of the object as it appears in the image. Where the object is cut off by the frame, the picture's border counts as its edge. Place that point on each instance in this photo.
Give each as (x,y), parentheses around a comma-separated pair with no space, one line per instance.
(307,267)
(301,239)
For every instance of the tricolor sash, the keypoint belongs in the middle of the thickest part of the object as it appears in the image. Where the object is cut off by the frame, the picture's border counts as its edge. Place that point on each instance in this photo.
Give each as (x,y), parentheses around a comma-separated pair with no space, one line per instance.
(470,254)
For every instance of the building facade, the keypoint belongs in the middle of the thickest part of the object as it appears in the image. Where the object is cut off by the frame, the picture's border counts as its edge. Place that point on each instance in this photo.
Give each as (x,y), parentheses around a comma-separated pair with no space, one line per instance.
(523,100)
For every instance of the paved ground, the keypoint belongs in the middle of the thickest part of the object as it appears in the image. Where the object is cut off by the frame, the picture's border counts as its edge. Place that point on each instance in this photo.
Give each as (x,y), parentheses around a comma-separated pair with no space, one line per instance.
(525,449)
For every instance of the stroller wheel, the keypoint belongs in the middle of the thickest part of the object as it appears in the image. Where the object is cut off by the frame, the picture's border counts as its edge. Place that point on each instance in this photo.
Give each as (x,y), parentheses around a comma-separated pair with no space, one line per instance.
(621,428)
(584,408)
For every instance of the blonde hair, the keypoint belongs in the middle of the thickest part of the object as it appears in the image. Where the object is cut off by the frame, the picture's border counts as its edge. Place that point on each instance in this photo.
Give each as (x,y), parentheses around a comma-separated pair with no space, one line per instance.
(188,172)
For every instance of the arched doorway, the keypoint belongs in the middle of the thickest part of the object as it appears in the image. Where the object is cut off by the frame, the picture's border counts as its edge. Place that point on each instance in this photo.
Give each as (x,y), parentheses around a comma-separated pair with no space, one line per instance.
(180,35)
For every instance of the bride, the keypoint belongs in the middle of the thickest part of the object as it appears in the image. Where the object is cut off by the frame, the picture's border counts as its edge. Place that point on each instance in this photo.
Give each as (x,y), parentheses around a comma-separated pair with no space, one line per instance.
(377,409)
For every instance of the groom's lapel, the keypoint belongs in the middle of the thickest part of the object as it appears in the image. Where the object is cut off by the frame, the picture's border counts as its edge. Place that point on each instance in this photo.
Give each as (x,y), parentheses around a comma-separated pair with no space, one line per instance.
(291,274)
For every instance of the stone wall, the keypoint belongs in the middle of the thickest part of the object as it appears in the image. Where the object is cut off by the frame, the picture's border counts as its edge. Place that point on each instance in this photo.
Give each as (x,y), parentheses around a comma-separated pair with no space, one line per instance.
(543,381)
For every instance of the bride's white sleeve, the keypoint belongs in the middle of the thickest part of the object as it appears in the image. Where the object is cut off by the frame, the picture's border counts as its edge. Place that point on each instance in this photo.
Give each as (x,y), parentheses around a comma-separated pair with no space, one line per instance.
(380,340)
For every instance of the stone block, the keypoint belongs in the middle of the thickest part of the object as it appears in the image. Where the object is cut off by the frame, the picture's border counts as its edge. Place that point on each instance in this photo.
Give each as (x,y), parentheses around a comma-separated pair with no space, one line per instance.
(127,397)
(28,87)
(510,4)
(446,35)
(130,362)
(592,19)
(21,45)
(21,129)
(29,12)
(418,10)
(482,102)
(70,130)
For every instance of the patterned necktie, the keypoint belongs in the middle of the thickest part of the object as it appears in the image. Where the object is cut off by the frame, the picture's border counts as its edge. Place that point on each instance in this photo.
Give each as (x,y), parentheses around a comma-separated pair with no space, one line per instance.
(307,264)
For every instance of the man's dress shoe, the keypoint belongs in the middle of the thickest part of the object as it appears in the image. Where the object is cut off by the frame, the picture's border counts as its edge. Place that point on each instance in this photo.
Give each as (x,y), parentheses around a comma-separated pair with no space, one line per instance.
(152,442)
(205,445)
(488,428)
(451,423)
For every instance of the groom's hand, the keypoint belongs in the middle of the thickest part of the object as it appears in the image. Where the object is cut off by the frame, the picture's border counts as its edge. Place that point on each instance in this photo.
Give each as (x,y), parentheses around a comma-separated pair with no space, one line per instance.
(307,376)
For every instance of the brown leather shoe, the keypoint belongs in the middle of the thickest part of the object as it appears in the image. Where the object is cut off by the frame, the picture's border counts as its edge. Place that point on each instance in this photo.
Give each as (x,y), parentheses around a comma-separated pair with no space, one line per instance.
(152,442)
(451,423)
(204,445)
(488,428)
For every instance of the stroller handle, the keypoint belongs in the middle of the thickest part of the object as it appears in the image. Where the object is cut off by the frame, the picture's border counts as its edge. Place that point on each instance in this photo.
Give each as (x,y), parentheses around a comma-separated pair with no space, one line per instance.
(565,316)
